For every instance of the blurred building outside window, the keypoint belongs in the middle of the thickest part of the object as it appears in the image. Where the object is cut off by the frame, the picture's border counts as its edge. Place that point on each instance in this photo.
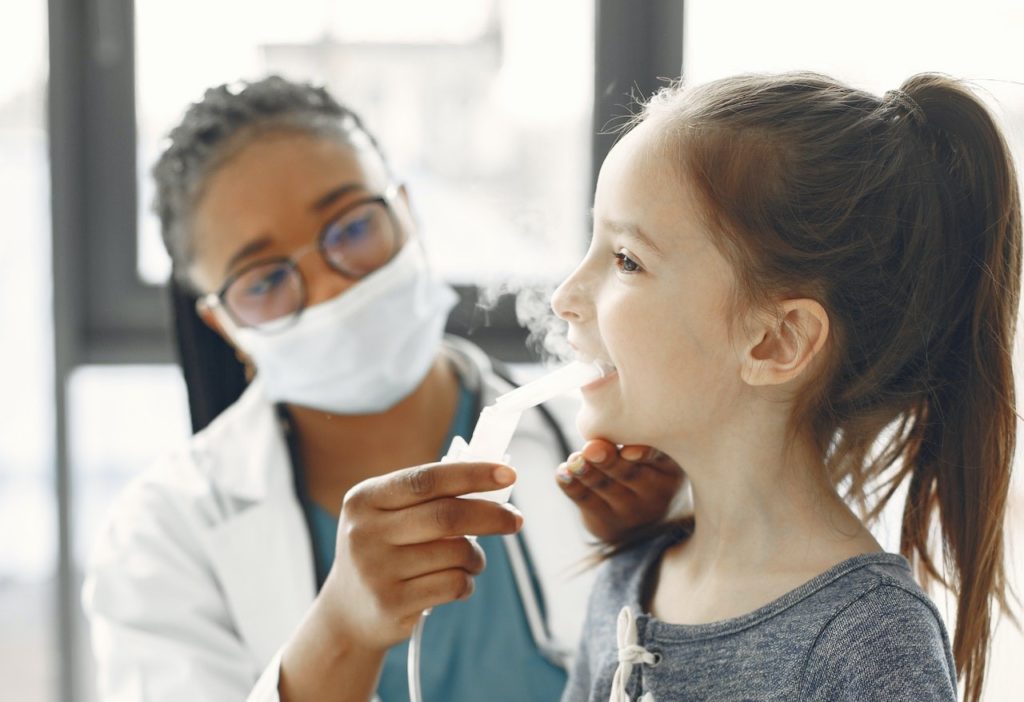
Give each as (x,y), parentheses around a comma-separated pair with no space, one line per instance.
(483,107)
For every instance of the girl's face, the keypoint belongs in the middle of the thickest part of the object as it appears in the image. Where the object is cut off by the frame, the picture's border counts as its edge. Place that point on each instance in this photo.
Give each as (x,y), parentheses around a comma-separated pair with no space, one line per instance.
(652,296)
(273,197)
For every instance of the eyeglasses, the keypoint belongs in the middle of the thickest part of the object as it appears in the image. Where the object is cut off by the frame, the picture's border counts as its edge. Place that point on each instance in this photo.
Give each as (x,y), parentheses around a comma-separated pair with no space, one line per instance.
(269,294)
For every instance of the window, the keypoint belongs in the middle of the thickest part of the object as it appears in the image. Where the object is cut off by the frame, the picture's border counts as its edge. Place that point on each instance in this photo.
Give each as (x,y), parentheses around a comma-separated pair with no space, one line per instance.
(28,548)
(483,108)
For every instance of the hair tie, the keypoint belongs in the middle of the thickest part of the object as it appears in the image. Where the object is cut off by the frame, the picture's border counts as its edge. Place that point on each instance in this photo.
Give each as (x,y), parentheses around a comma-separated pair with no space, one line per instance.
(904,106)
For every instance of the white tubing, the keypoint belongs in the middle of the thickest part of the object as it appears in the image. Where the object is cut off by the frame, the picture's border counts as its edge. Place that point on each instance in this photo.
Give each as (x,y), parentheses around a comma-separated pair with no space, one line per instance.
(415,645)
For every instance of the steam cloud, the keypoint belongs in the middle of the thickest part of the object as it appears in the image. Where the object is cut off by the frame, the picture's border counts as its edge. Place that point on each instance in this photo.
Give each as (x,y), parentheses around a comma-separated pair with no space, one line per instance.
(547,333)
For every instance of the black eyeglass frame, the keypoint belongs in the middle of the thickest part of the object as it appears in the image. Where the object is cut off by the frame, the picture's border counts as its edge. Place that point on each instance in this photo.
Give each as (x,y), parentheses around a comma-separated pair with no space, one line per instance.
(219,299)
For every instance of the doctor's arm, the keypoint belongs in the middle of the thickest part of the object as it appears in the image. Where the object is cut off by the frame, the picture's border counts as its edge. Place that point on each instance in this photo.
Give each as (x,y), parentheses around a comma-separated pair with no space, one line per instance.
(401,549)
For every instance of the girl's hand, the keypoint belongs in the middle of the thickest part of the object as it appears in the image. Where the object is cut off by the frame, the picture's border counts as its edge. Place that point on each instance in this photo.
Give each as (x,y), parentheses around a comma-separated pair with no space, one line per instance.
(402,547)
(619,490)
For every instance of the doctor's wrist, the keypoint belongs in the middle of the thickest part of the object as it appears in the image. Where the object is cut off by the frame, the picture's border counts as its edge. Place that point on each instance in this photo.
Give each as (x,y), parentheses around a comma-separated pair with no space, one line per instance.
(340,633)
(322,657)
(344,618)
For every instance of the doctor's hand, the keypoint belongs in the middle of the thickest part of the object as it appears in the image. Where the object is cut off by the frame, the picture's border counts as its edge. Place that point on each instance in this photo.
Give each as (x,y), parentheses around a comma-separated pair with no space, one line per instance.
(619,490)
(402,548)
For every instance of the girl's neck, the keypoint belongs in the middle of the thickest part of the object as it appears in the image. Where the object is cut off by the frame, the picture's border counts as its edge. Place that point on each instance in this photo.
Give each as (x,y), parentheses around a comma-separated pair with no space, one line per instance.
(766,520)
(338,451)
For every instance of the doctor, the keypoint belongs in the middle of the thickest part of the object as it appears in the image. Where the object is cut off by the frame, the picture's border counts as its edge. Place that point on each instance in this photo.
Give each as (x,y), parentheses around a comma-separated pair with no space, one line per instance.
(280,555)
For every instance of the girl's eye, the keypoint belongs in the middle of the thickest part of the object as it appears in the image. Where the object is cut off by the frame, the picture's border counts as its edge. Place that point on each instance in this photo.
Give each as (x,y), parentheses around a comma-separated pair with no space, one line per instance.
(626,264)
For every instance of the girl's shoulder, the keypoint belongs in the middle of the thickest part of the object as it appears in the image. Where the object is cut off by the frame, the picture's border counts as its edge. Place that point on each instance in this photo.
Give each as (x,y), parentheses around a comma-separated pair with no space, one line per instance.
(884,638)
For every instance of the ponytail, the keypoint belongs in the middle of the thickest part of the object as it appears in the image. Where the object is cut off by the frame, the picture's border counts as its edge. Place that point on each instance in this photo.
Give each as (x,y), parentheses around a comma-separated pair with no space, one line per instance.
(214,377)
(964,434)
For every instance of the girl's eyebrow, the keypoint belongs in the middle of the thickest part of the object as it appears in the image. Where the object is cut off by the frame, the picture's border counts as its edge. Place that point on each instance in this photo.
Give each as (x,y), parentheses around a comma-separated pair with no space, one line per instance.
(632,231)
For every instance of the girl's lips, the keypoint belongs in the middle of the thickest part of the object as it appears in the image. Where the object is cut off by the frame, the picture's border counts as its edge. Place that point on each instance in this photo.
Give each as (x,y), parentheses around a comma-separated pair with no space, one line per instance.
(607,378)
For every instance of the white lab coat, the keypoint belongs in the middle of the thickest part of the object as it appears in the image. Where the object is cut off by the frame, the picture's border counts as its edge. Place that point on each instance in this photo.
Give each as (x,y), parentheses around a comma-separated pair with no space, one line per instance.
(205,567)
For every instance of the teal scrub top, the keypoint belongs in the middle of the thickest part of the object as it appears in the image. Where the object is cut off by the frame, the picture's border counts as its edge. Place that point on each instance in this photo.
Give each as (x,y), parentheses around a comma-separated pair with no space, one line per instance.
(480,648)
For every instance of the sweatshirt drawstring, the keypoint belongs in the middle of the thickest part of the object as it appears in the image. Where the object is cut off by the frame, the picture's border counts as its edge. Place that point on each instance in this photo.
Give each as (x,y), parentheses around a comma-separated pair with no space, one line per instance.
(630,654)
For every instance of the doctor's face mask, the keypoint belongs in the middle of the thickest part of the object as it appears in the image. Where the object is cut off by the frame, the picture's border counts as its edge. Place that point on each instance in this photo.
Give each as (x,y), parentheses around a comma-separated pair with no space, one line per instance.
(322,287)
(363,350)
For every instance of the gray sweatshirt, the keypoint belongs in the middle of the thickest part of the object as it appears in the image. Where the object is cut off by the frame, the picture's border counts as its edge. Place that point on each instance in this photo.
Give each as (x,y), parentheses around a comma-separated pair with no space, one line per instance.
(864,630)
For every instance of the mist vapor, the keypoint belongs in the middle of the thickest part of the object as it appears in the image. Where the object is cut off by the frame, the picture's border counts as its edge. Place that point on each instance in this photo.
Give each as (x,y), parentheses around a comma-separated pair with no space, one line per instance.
(547,332)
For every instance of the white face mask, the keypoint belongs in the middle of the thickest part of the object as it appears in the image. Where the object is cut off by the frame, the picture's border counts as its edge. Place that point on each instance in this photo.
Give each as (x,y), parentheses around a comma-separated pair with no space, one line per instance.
(362,351)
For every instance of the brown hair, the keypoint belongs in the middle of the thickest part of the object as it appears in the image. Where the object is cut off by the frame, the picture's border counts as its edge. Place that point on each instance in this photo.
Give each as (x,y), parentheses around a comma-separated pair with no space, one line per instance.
(901,215)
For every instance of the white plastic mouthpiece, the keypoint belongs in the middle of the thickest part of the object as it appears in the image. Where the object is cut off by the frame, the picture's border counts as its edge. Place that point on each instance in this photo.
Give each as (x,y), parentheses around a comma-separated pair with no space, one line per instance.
(497,423)
(570,377)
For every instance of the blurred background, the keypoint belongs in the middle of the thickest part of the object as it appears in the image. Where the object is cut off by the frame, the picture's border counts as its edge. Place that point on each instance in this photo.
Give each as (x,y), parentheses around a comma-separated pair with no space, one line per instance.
(491,110)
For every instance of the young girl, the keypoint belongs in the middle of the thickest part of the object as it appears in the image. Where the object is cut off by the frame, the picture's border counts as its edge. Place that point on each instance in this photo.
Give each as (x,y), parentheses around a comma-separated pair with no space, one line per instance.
(834,281)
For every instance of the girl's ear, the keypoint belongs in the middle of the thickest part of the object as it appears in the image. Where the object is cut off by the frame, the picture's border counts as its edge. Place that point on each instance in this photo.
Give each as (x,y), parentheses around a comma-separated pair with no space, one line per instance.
(784,347)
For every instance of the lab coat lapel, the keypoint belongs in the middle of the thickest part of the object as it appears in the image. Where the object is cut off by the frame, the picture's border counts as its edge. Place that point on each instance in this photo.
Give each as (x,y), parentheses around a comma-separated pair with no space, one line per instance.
(261,548)
(265,566)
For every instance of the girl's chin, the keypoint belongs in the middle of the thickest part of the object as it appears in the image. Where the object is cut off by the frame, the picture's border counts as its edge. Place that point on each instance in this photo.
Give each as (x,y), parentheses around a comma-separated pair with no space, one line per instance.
(592,424)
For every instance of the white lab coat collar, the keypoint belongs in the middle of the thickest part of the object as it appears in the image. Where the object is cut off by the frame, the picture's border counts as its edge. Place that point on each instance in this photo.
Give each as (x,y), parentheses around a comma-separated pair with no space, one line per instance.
(243,450)
(244,455)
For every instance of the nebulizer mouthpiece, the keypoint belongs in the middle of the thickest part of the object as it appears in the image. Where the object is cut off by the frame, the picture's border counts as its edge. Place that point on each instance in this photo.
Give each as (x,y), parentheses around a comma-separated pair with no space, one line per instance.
(497,423)
(489,443)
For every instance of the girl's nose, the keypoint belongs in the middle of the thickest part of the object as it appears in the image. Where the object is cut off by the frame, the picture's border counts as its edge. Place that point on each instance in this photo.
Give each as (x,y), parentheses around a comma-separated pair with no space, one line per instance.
(567,300)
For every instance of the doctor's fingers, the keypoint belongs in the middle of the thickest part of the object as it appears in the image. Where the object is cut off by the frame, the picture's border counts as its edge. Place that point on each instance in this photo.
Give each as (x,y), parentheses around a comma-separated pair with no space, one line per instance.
(609,479)
(591,503)
(416,560)
(446,517)
(420,484)
(424,592)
